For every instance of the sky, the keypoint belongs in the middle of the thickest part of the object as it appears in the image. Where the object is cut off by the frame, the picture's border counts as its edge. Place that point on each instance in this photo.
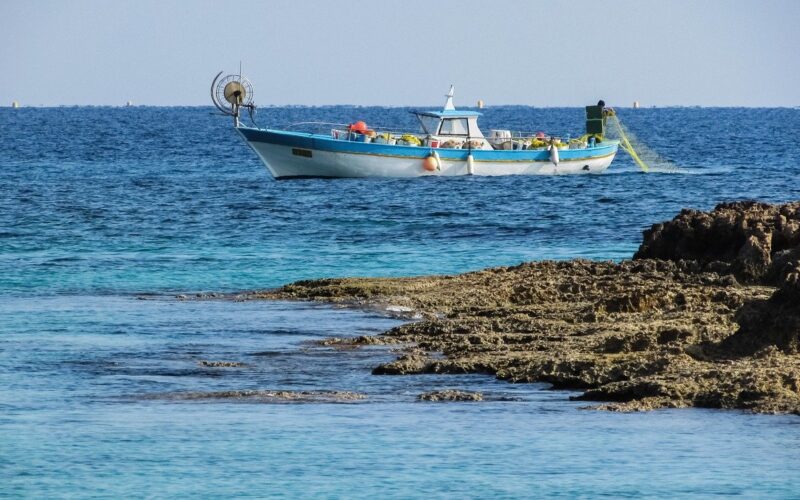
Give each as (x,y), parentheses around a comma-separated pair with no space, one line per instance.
(538,53)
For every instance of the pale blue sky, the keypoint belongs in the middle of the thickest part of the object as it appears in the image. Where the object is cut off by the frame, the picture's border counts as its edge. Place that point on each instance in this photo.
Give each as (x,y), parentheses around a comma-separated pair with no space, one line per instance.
(541,53)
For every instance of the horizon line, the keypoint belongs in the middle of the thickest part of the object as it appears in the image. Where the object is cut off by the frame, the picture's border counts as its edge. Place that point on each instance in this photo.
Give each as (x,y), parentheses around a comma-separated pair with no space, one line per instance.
(397,106)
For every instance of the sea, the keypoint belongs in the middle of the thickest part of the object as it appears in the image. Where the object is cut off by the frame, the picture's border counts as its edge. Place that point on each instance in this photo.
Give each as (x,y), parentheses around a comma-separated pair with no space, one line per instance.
(108,215)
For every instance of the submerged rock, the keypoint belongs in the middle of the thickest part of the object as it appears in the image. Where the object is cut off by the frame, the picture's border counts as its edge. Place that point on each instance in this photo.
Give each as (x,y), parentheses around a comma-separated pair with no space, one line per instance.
(221,364)
(450,395)
(262,396)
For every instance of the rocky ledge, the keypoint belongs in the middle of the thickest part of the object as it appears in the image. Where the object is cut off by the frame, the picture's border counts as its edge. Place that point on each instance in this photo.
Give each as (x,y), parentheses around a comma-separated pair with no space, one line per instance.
(706,314)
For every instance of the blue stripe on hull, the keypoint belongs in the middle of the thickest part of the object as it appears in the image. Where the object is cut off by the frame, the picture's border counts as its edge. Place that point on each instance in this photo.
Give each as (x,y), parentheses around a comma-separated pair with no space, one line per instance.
(325,143)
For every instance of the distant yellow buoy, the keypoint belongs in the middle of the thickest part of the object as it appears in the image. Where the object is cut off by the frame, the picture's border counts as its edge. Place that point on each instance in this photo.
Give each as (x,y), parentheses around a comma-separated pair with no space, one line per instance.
(635,104)
(480,103)
(15,104)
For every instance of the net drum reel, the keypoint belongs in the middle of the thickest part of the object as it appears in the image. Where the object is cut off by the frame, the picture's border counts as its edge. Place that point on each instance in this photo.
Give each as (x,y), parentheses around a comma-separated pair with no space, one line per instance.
(231,93)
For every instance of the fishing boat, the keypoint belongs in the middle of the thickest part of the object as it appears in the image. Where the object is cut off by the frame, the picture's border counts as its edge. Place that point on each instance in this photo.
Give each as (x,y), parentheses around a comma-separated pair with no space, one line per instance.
(449,143)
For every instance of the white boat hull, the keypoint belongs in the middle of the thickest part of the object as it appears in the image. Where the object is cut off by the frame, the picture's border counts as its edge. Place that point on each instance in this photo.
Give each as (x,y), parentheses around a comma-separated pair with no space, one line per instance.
(306,156)
(283,164)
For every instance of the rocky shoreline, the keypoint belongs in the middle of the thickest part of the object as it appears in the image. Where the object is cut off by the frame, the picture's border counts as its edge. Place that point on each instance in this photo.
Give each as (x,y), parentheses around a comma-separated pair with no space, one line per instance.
(706,314)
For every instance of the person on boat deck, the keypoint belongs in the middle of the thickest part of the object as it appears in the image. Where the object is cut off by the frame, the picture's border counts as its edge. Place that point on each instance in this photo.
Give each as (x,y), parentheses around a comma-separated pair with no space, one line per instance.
(607,111)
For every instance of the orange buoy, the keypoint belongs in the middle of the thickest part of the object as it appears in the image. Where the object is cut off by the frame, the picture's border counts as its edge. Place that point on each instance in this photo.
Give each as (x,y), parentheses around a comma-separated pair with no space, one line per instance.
(430,163)
(359,126)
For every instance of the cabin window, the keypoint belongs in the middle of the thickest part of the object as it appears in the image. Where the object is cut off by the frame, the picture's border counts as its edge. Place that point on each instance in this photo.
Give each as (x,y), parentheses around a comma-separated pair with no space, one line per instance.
(430,124)
(454,126)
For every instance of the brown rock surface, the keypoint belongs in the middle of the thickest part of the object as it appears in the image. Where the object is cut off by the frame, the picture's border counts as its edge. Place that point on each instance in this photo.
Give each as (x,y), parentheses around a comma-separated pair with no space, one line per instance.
(774,322)
(640,334)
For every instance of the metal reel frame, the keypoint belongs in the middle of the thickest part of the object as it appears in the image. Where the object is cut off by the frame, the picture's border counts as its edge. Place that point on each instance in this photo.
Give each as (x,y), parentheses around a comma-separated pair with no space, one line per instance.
(222,103)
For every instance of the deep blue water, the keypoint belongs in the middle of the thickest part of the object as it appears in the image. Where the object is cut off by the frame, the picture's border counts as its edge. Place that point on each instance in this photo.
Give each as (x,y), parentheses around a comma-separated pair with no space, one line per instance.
(101,208)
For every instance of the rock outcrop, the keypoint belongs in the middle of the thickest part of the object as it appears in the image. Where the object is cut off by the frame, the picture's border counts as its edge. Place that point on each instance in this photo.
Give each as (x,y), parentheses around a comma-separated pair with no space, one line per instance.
(707,314)
(757,242)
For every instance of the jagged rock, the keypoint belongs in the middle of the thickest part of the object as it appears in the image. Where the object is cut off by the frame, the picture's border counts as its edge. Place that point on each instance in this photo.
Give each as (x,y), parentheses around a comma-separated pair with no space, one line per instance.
(756,240)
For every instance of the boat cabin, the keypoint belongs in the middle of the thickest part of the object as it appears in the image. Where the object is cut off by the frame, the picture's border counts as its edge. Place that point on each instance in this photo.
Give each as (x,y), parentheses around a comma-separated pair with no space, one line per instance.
(452,128)
(448,128)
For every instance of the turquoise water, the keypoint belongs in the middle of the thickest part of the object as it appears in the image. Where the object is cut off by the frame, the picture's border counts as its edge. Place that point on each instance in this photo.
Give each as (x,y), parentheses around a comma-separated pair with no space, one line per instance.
(108,213)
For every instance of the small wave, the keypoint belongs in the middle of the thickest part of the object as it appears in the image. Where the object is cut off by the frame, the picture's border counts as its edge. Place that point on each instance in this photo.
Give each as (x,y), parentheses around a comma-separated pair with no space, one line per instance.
(200,371)
(673,169)
(73,258)
(268,353)
(700,171)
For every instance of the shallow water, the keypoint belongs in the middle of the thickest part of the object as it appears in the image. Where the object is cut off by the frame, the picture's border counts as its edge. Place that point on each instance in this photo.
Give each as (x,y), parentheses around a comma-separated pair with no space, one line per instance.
(109,213)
